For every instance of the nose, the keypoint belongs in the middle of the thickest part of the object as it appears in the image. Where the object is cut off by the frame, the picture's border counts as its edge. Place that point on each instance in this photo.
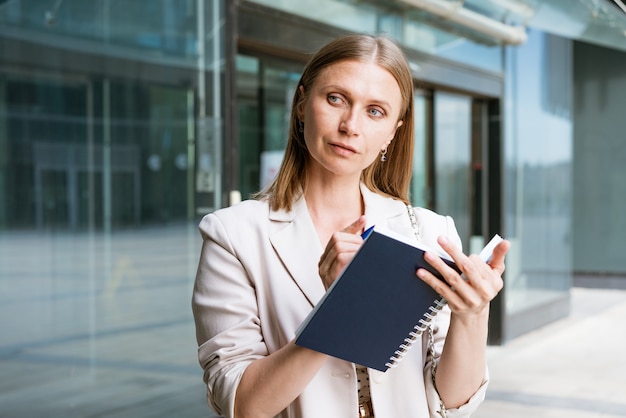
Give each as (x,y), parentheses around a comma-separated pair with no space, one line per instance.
(349,123)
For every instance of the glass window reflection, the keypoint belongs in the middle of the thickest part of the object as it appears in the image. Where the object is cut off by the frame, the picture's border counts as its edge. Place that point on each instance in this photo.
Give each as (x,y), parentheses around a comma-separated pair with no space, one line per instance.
(99,122)
(538,175)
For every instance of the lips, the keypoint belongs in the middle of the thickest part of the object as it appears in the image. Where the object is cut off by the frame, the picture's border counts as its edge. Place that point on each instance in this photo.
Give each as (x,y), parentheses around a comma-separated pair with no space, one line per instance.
(343,148)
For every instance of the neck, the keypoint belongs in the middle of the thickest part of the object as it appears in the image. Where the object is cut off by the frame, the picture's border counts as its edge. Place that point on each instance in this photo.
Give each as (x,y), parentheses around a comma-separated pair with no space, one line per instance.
(333,205)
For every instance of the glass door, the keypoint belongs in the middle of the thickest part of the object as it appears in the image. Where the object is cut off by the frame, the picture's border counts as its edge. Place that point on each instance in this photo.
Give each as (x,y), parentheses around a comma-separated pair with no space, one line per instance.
(465,136)
(265,88)
(452,157)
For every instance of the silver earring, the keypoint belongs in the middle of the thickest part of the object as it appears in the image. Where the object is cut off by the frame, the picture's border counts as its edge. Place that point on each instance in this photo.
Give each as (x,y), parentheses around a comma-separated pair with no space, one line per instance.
(383,155)
(301,127)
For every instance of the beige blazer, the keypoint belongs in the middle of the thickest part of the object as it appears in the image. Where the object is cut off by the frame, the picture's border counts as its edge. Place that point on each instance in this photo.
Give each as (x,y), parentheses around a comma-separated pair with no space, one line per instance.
(257,281)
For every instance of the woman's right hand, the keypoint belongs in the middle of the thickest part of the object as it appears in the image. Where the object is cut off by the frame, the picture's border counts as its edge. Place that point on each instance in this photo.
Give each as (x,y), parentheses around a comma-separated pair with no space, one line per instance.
(340,250)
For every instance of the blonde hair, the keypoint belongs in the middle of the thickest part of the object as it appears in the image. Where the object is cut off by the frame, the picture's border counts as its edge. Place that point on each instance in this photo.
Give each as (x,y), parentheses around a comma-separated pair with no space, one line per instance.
(391,178)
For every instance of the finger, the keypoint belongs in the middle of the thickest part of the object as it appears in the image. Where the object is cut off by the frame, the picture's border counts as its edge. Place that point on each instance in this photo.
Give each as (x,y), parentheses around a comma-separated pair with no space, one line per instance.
(475,284)
(339,250)
(466,264)
(341,238)
(453,251)
(461,294)
(460,299)
(356,227)
(449,275)
(438,285)
(462,261)
(336,257)
(480,281)
(497,260)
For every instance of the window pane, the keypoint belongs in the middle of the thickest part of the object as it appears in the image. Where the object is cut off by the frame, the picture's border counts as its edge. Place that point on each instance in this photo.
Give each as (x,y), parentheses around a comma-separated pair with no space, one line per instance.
(453,118)
(538,172)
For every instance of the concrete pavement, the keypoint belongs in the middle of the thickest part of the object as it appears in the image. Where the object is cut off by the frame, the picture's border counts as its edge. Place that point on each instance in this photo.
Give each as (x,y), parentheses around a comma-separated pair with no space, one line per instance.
(574,368)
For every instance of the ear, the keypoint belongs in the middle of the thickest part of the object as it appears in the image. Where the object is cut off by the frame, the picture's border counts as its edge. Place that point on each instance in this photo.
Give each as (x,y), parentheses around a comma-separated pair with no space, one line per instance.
(392,135)
(399,124)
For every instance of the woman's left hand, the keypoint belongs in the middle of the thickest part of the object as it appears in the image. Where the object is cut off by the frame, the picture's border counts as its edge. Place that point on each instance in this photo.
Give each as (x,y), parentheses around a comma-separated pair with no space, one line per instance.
(471,293)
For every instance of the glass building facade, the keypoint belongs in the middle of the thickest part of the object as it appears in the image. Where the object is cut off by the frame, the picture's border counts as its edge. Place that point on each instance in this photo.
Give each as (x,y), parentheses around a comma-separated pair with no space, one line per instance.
(538,181)
(104,108)
(111,118)
(122,123)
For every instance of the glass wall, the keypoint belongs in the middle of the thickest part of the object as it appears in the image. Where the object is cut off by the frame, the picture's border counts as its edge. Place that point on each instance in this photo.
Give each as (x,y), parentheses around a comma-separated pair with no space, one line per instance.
(110,135)
(158,29)
(538,183)
(94,152)
(107,96)
(600,169)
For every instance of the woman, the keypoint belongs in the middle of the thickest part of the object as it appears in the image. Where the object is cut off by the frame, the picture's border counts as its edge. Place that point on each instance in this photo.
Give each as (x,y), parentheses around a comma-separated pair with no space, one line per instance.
(266,262)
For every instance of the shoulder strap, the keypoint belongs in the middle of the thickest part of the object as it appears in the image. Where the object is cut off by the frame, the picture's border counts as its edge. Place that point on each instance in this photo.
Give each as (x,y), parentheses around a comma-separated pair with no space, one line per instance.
(414,224)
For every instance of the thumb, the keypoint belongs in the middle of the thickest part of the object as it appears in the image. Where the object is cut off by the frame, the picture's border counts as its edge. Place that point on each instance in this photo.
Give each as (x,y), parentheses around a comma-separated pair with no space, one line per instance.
(497,261)
(356,227)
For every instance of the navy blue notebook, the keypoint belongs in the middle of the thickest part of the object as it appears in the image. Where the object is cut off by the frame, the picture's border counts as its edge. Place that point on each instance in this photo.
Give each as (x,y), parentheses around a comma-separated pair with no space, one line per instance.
(378,307)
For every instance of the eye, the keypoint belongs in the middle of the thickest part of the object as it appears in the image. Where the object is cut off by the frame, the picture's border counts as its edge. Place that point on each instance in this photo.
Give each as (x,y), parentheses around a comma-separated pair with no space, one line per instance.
(376,112)
(334,99)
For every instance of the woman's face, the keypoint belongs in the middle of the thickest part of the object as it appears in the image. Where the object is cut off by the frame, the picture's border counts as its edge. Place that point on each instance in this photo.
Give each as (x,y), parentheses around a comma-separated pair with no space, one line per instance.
(351,113)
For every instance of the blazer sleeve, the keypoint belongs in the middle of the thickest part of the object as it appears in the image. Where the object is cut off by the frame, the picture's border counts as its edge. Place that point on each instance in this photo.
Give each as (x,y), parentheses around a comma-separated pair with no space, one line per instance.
(226,316)
(444,225)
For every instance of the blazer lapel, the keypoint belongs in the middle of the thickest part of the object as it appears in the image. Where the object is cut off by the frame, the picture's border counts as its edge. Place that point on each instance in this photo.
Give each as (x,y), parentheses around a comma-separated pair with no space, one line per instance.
(295,240)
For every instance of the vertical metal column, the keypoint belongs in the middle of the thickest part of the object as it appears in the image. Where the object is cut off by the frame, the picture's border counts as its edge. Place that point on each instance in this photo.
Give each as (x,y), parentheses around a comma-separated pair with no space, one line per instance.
(107,195)
(217,104)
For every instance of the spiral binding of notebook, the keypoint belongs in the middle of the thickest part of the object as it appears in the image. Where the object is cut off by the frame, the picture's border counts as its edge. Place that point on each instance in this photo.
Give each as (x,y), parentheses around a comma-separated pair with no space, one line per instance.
(418,329)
